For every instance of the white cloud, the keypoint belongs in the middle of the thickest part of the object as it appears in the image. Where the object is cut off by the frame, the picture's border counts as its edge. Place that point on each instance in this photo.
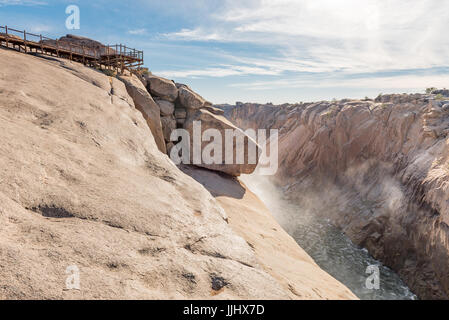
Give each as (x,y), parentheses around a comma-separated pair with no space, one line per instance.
(22,3)
(40,28)
(138,31)
(196,35)
(398,82)
(349,36)
(218,72)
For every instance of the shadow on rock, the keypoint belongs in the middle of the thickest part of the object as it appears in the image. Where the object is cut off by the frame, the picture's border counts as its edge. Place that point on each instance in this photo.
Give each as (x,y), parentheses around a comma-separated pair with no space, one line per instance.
(218,184)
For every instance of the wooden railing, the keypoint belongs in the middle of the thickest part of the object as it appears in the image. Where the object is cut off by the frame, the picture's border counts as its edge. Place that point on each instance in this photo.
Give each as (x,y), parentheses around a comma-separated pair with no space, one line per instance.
(125,51)
(68,47)
(43,41)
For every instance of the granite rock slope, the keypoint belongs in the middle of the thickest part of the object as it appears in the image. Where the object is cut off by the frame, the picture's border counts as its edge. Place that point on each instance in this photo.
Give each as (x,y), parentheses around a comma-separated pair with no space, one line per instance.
(83,185)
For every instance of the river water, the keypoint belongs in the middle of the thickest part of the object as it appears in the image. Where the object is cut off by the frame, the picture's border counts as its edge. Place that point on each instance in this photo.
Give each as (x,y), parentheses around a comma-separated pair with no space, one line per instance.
(332,250)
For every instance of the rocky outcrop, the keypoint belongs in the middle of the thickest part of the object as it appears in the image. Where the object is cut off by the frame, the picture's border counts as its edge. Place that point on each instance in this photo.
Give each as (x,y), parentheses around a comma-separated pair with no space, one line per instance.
(167,108)
(379,169)
(216,146)
(84,189)
(191,100)
(90,46)
(162,88)
(146,105)
(179,106)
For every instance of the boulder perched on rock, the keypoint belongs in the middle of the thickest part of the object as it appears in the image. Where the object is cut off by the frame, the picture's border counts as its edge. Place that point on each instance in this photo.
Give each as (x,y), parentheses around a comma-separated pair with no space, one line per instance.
(167,108)
(242,144)
(190,99)
(91,46)
(161,87)
(146,105)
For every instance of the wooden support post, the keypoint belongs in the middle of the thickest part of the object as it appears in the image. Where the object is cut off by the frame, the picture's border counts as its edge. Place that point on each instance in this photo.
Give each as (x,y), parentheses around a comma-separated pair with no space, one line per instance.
(96,58)
(84,56)
(25,40)
(7,36)
(120,59)
(115,58)
(42,45)
(109,63)
(122,65)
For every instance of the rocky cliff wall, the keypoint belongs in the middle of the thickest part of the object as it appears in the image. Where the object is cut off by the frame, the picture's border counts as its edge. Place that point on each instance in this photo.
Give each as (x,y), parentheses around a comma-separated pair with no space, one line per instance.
(379,169)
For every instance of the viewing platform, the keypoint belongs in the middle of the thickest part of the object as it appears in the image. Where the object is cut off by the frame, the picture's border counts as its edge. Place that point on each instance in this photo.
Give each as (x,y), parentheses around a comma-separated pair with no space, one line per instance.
(116,57)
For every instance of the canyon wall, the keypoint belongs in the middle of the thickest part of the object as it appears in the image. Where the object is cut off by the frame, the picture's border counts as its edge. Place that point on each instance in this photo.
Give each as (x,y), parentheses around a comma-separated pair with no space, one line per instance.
(378,168)
(86,186)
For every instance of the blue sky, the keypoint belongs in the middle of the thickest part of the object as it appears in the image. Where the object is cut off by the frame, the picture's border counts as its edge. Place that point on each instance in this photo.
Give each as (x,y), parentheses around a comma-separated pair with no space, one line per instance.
(266,51)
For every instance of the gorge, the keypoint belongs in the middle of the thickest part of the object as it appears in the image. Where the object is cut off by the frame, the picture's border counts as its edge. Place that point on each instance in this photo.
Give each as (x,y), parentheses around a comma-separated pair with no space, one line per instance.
(377,169)
(86,181)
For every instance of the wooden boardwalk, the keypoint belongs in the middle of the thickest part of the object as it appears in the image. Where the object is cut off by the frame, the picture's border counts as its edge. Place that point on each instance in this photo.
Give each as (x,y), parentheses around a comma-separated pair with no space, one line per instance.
(112,57)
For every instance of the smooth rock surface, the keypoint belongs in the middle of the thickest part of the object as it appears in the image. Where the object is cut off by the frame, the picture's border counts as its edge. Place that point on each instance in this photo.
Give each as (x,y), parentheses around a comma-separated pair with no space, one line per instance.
(241,142)
(281,256)
(190,99)
(161,87)
(82,183)
(146,105)
(167,108)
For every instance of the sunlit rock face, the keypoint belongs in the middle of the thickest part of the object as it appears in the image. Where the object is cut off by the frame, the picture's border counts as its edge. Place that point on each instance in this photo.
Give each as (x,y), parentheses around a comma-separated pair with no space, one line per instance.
(83,183)
(222,147)
(177,106)
(84,187)
(378,168)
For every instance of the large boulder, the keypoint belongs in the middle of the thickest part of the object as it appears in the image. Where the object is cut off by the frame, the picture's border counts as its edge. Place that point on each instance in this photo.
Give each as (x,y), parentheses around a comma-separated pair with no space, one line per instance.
(146,105)
(91,46)
(167,108)
(190,99)
(161,87)
(242,142)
